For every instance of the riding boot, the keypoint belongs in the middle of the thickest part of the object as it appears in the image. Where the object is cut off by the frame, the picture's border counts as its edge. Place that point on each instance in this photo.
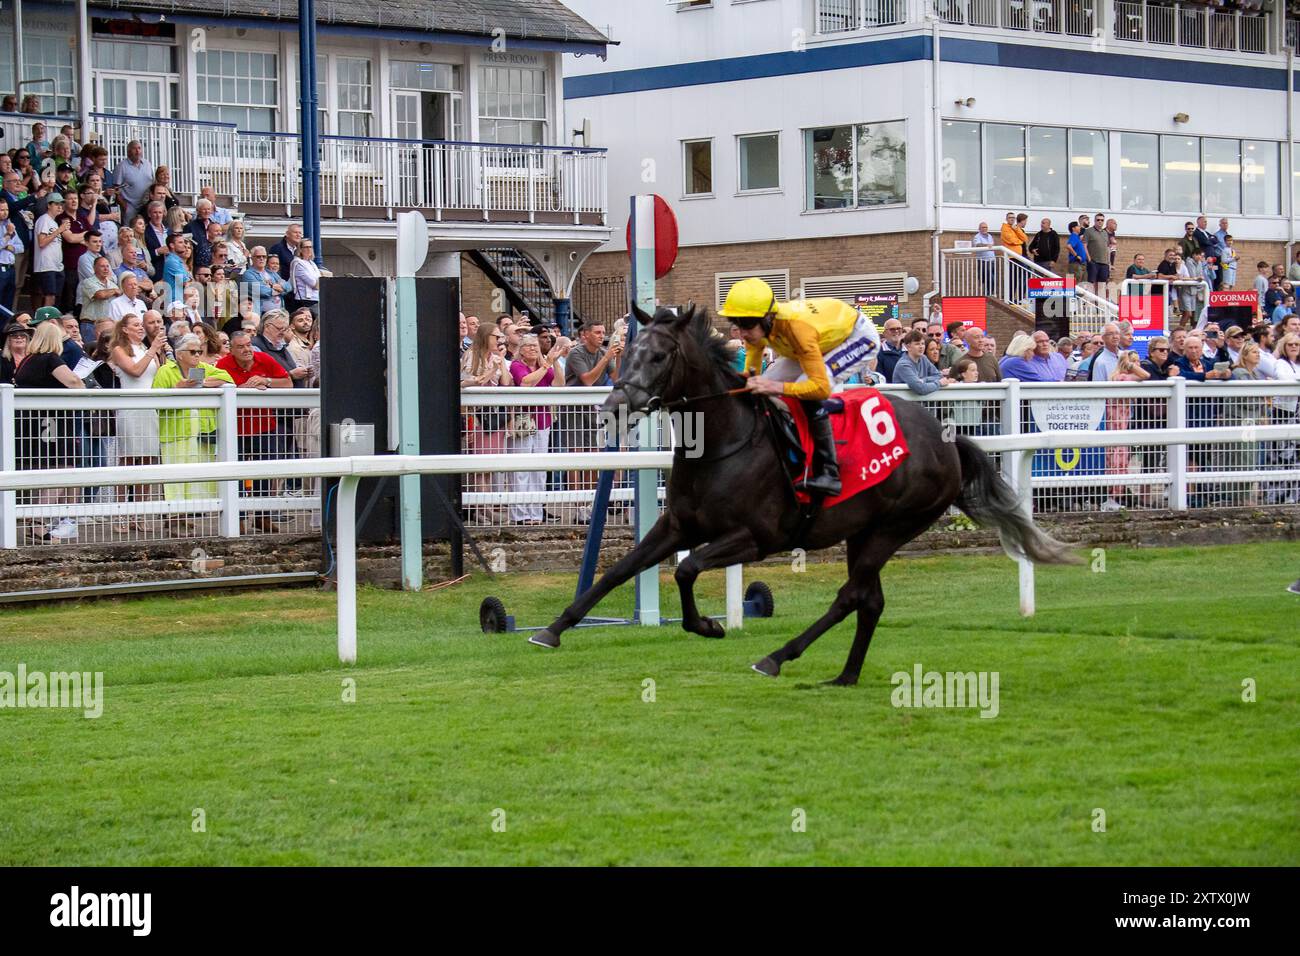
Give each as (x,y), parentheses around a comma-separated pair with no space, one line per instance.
(825,478)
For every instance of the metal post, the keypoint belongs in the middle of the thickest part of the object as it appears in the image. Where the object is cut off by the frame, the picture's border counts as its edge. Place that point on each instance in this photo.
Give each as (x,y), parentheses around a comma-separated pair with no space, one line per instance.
(309,140)
(18,50)
(1176,455)
(647,485)
(228,450)
(1025,488)
(564,315)
(8,462)
(83,71)
(346,559)
(735,597)
(404,378)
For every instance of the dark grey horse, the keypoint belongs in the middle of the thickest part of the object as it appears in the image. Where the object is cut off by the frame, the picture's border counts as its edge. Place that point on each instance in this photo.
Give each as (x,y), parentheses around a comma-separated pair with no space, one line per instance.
(734,504)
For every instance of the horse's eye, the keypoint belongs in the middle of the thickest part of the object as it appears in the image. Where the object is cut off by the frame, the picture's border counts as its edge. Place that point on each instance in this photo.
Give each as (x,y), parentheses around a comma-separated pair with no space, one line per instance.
(658,356)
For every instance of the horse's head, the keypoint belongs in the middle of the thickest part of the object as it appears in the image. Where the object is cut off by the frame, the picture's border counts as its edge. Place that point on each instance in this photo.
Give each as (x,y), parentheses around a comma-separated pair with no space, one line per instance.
(671,351)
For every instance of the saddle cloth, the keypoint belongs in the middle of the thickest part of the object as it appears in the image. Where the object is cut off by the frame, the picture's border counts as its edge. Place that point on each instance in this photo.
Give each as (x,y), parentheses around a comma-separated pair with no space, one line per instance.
(868,440)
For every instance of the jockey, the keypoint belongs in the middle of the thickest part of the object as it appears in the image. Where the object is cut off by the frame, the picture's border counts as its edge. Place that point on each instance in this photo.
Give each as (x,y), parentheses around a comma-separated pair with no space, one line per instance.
(819,341)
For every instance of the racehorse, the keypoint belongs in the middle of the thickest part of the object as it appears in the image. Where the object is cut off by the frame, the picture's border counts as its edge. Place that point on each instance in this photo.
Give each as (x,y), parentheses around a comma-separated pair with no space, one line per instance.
(735,503)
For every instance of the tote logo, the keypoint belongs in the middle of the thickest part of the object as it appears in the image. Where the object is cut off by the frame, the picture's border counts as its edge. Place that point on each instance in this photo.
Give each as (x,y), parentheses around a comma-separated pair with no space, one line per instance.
(134,910)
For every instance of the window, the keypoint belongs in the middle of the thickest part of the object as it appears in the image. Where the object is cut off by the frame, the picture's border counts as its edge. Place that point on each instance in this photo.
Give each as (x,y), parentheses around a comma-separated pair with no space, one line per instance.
(1139,171)
(43,58)
(759,162)
(352,96)
(1004,163)
(1089,169)
(1047,166)
(854,166)
(961,162)
(1261,195)
(1222,161)
(1180,165)
(882,164)
(432,77)
(512,105)
(125,56)
(237,87)
(697,167)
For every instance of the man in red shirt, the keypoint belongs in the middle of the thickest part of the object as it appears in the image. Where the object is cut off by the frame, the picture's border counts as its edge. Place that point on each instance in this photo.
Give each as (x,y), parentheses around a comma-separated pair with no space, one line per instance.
(258,438)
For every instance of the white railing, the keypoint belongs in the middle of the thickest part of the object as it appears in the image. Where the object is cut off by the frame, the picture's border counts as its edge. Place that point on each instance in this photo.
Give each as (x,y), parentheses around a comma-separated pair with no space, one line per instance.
(47,428)
(518,182)
(1190,25)
(17,129)
(1018,453)
(996,272)
(1056,17)
(197,153)
(849,16)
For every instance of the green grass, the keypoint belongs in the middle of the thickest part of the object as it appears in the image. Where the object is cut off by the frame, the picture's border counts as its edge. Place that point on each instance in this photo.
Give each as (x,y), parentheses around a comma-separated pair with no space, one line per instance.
(1124,693)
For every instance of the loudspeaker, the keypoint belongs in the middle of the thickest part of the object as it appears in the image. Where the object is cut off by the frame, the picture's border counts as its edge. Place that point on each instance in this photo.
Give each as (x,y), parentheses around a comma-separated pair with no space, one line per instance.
(355,387)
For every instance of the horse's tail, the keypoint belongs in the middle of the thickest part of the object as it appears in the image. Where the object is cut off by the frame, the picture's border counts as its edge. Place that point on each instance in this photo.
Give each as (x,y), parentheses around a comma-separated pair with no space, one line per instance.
(991,502)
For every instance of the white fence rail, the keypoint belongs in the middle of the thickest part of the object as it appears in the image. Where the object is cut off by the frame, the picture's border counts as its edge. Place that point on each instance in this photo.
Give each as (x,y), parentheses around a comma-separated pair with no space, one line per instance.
(1016,450)
(46,429)
(1191,25)
(1054,17)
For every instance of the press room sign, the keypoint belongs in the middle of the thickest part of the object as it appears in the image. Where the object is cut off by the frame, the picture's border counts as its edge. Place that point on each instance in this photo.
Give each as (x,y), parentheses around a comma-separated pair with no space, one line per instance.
(512,59)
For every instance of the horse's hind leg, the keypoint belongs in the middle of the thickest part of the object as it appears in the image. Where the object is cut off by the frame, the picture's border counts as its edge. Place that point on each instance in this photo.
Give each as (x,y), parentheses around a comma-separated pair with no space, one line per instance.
(735,547)
(869,611)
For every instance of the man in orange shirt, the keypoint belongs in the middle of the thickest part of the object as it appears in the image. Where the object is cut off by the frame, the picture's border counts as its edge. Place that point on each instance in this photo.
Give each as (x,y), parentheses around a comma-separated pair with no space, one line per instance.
(257,426)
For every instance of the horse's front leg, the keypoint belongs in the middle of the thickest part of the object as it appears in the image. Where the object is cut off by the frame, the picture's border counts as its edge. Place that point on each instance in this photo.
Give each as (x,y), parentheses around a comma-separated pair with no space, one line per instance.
(660,541)
(734,547)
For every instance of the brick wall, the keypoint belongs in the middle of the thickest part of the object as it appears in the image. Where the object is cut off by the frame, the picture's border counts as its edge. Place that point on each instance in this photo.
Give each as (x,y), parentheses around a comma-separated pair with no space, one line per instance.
(476,292)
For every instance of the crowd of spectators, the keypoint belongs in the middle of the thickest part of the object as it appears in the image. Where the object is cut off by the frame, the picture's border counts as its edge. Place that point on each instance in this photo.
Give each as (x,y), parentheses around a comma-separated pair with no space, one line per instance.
(108,281)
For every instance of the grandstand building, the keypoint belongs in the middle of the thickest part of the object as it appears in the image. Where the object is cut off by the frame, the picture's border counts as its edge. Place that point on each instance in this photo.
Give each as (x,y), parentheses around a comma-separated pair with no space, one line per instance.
(835,146)
(453,108)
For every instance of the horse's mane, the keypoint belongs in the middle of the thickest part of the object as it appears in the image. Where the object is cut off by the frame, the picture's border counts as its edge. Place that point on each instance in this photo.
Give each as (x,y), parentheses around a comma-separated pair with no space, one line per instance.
(710,342)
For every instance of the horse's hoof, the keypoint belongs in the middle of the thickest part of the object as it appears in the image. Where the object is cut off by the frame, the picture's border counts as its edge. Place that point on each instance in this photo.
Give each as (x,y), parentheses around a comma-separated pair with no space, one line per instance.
(768,667)
(707,627)
(841,681)
(544,638)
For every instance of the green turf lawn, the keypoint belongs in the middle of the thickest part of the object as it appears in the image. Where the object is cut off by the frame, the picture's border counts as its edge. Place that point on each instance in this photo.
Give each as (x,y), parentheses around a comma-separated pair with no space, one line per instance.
(1124,693)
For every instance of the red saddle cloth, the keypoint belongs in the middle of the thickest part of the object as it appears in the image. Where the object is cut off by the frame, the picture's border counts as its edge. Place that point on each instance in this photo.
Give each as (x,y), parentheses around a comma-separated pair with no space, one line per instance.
(868,440)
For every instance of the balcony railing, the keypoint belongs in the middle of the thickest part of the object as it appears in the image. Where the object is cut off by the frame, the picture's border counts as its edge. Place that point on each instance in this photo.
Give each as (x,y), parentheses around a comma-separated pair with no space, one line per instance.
(1188,25)
(848,16)
(366,177)
(1068,17)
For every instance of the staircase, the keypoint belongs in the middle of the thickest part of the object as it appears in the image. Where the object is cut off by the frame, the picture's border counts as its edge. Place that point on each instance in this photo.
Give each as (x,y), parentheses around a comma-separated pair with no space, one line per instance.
(525,286)
(1004,279)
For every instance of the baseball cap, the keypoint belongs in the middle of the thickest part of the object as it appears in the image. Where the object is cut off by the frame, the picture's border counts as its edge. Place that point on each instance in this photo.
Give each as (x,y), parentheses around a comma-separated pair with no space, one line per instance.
(54,198)
(46,312)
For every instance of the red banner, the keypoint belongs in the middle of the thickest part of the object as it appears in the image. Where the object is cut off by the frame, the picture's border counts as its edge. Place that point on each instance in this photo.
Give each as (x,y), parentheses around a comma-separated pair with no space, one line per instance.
(970,311)
(1237,299)
(870,441)
(1146,312)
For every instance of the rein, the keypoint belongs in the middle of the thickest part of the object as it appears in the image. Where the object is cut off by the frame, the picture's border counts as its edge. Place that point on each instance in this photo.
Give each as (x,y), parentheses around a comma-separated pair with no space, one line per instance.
(656,404)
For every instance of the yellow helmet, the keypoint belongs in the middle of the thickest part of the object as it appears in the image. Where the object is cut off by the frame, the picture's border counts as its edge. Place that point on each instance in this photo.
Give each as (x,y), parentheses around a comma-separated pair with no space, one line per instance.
(748,299)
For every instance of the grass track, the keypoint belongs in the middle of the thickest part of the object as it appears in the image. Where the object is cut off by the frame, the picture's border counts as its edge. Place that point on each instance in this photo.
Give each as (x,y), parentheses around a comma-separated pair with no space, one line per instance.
(1123,693)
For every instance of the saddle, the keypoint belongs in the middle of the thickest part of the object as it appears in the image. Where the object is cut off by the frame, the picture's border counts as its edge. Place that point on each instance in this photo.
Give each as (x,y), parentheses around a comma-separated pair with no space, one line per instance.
(790,431)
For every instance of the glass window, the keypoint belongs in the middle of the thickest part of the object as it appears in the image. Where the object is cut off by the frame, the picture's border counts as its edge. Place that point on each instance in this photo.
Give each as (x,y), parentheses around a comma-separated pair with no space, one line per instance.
(512,105)
(43,57)
(961,162)
(1047,166)
(697,175)
(1139,171)
(415,75)
(759,162)
(1222,160)
(830,167)
(882,164)
(1260,191)
(1004,164)
(1180,165)
(1089,169)
(352,87)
